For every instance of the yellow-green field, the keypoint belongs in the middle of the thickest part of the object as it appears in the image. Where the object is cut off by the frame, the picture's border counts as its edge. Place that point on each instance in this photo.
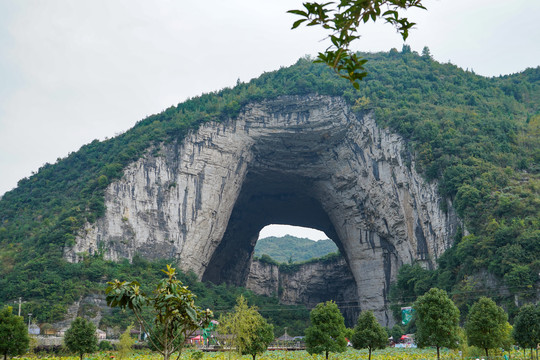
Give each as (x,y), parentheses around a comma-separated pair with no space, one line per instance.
(350,354)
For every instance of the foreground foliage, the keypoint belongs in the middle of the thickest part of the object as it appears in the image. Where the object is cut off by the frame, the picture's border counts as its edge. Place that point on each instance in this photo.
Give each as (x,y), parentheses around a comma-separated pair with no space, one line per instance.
(350,354)
(342,19)
(176,316)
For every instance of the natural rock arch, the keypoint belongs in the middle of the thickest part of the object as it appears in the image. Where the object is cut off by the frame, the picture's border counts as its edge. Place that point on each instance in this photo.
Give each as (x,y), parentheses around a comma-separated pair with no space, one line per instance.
(300,160)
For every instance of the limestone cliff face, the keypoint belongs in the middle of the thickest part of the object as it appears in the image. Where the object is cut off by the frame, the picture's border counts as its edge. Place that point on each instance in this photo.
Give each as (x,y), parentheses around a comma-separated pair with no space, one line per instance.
(308,284)
(307,161)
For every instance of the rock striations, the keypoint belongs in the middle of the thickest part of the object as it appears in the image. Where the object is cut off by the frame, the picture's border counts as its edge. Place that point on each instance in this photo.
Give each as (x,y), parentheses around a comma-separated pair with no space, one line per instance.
(300,160)
(309,283)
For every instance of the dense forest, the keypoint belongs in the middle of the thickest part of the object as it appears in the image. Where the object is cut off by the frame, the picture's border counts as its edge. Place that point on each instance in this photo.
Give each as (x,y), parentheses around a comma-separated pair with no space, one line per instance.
(291,249)
(479,137)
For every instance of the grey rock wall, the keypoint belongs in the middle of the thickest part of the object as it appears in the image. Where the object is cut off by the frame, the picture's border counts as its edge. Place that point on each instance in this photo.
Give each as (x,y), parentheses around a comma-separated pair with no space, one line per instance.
(306,161)
(308,284)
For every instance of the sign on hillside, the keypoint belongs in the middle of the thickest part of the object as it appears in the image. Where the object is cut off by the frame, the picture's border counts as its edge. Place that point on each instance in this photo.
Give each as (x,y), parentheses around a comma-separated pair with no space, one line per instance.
(406,314)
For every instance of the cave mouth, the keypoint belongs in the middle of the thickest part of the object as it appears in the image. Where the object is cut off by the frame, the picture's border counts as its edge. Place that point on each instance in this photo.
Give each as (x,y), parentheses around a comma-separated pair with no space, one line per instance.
(307,244)
(288,178)
(267,197)
(279,230)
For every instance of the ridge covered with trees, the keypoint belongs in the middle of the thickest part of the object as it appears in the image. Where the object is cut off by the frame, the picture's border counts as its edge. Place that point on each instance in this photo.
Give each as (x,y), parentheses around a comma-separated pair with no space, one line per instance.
(479,137)
(291,249)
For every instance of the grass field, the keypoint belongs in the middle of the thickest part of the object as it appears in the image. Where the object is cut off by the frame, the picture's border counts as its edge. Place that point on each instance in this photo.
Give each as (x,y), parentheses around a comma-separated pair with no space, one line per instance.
(350,354)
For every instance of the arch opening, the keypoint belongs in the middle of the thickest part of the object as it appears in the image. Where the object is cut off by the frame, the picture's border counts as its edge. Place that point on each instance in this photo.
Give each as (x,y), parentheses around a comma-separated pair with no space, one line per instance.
(266,198)
(289,244)
(277,198)
(278,230)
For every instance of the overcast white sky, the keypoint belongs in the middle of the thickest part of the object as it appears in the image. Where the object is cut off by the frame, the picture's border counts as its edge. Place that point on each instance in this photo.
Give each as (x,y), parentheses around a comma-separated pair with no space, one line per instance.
(75,71)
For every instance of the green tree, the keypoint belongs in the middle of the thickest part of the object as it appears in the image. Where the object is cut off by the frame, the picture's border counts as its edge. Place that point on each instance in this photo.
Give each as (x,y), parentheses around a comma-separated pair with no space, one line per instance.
(526,331)
(426,53)
(251,333)
(368,333)
(437,320)
(342,19)
(260,339)
(81,337)
(105,345)
(327,331)
(126,342)
(396,332)
(14,339)
(487,325)
(175,314)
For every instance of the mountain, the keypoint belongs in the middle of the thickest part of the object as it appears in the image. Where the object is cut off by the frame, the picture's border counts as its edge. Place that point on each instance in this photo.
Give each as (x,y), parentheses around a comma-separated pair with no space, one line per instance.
(478,137)
(289,248)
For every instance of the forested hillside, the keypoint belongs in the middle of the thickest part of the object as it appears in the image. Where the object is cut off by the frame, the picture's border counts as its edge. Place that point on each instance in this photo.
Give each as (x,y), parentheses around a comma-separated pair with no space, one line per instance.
(289,249)
(479,137)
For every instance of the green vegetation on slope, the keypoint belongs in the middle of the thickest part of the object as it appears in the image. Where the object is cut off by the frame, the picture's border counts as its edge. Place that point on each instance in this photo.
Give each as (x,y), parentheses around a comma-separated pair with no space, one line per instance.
(290,249)
(478,136)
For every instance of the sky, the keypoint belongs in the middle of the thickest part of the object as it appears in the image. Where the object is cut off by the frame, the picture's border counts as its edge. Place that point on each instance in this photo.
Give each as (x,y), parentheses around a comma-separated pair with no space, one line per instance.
(75,71)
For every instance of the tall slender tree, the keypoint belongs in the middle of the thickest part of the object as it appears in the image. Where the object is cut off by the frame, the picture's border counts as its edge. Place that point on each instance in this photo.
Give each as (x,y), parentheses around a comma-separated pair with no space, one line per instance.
(14,338)
(250,332)
(526,331)
(437,320)
(368,333)
(327,331)
(81,337)
(487,325)
(175,314)
(125,345)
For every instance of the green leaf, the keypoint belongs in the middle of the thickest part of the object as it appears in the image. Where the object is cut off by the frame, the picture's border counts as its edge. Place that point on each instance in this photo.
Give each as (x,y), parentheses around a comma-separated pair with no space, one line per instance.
(297,23)
(298,12)
(191,313)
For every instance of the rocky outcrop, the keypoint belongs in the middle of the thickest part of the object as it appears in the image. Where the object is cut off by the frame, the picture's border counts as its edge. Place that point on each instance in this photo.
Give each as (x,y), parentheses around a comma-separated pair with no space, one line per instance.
(307,161)
(309,284)
(92,307)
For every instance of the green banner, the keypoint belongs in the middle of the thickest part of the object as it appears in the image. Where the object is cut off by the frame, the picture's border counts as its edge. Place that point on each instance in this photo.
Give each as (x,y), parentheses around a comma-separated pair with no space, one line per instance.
(406,314)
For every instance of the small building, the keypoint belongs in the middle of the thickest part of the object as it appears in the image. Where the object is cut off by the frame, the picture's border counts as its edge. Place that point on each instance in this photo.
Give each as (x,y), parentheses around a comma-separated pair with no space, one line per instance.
(100,334)
(49,331)
(134,333)
(33,329)
(285,338)
(194,338)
